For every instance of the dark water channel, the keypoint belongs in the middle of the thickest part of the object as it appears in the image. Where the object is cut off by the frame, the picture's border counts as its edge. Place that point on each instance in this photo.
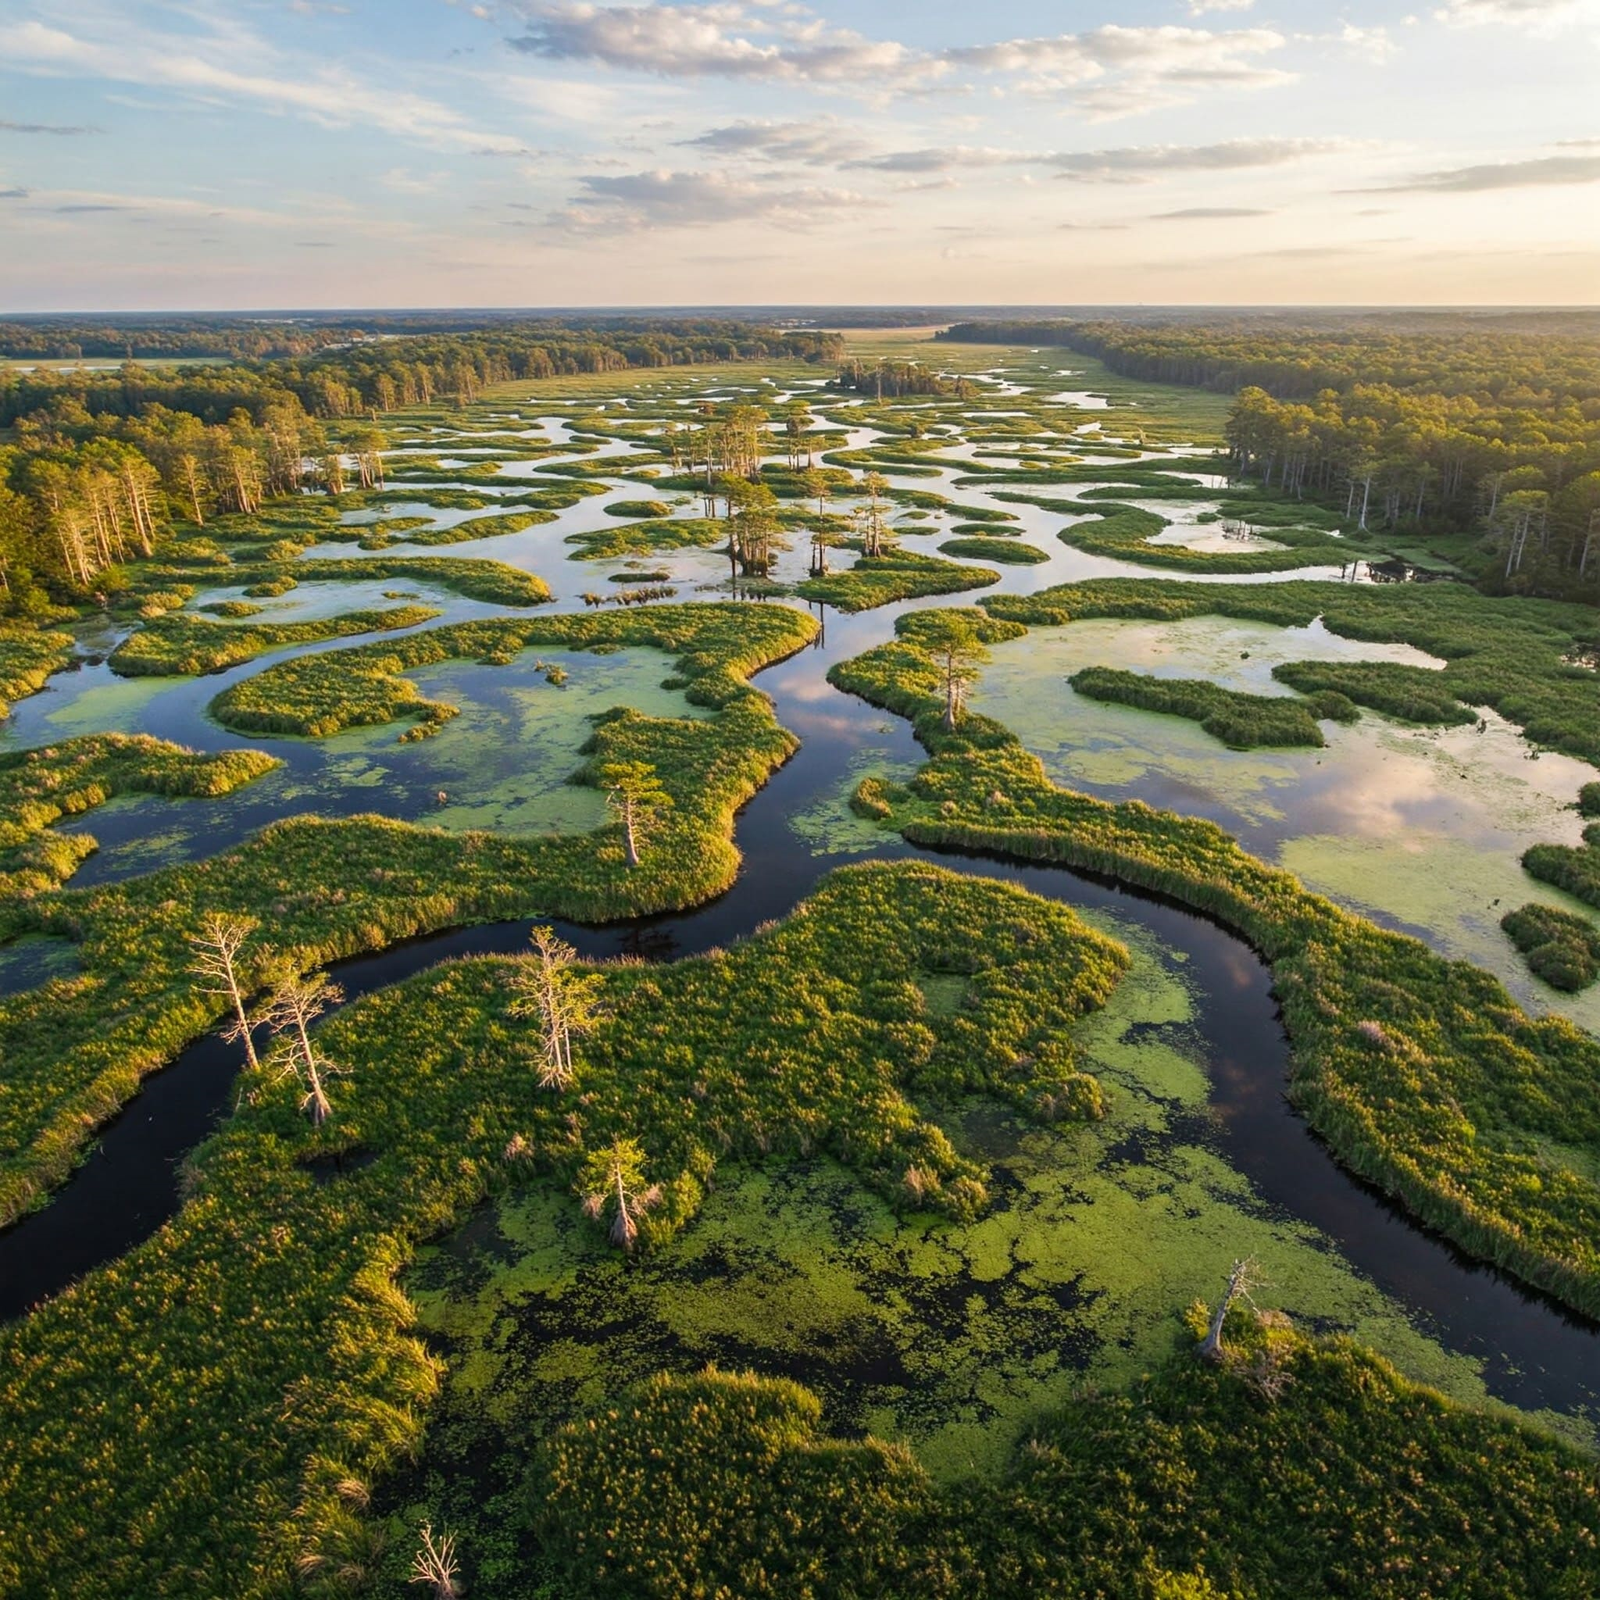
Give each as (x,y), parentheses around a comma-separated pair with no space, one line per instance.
(1535,1354)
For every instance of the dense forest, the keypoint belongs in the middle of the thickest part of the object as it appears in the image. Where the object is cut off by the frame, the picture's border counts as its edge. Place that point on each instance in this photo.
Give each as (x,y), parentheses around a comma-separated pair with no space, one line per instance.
(1472,429)
(101,461)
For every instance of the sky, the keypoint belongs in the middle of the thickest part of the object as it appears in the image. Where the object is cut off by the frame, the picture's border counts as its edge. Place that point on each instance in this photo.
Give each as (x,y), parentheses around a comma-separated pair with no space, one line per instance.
(232,154)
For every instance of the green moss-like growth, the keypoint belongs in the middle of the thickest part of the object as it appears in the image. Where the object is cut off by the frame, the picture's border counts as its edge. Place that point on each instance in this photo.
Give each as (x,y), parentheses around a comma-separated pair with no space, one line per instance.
(330,889)
(1294,1470)
(1589,800)
(318,695)
(1422,1074)
(1559,947)
(27,658)
(178,646)
(1240,721)
(1511,654)
(493,582)
(648,538)
(810,1035)
(231,608)
(40,787)
(416,530)
(1007,551)
(897,575)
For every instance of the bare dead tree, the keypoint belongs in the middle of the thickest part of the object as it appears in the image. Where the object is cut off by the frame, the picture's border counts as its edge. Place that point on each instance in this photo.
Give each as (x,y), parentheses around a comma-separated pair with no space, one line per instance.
(435,1563)
(216,948)
(565,1002)
(295,1004)
(1245,1276)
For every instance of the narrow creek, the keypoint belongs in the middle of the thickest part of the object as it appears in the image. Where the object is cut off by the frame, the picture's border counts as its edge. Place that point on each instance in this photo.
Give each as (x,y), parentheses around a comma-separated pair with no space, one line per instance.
(1535,1355)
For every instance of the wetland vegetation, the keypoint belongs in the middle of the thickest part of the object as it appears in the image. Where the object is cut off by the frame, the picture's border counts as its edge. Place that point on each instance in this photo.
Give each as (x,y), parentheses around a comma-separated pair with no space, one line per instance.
(938,1158)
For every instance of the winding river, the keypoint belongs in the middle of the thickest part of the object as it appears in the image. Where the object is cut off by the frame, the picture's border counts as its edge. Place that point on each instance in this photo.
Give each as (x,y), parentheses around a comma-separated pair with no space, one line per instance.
(1534,1354)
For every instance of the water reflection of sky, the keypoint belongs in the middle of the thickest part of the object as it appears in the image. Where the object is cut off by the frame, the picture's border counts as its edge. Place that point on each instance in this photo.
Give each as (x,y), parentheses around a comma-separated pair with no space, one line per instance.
(1423,828)
(501,765)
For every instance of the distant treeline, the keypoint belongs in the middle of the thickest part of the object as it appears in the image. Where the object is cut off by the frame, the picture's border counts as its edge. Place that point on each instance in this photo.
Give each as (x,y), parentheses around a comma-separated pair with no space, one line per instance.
(97,338)
(1478,428)
(380,374)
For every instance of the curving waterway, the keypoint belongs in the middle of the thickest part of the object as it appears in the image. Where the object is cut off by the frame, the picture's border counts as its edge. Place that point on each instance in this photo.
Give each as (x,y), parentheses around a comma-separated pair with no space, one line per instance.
(1533,1353)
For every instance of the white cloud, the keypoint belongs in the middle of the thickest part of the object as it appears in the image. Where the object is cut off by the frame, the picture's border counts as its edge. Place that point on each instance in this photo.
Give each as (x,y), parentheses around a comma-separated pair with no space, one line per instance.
(1536,172)
(203,67)
(1130,164)
(814,144)
(1119,69)
(1144,163)
(726,39)
(1207,213)
(663,199)
(1515,13)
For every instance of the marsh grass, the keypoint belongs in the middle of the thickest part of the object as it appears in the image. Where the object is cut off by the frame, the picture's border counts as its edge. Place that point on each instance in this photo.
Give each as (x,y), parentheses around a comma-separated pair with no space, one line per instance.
(896,575)
(1241,721)
(1510,654)
(1349,1480)
(183,645)
(1011,552)
(1559,947)
(28,656)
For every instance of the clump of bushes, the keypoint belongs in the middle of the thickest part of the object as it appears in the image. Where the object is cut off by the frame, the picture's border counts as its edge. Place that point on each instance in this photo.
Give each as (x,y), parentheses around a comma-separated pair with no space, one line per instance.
(639,509)
(1575,868)
(1558,946)
(1012,551)
(1338,1478)
(182,645)
(1241,721)
(895,575)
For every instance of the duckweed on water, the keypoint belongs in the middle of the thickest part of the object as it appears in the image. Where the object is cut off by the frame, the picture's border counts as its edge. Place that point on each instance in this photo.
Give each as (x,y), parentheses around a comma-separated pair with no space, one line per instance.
(39,787)
(274,1285)
(1422,1074)
(181,645)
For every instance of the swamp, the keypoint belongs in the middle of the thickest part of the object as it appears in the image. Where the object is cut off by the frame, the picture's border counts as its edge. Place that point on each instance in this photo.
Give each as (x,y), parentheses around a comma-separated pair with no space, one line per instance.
(782,946)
